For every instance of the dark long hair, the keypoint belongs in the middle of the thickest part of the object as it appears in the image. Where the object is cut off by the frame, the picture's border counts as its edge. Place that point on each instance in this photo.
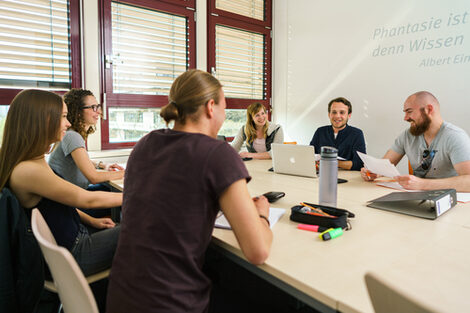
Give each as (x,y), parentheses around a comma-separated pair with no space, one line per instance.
(31,126)
(74,99)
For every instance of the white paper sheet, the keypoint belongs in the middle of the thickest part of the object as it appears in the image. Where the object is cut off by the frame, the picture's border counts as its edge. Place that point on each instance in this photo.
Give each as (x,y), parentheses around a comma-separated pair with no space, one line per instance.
(379,166)
(463,197)
(274,215)
(394,185)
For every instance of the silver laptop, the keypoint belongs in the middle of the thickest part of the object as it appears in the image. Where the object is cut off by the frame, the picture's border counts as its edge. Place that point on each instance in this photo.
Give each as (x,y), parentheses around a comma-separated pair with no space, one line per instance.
(296,160)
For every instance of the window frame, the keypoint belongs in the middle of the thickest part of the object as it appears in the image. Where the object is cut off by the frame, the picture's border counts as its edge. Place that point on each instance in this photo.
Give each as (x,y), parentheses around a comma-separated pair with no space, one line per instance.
(220,17)
(7,94)
(177,7)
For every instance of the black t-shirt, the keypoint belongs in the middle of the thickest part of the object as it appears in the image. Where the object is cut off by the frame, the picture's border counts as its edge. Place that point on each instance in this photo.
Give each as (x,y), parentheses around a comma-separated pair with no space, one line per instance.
(173,182)
(63,220)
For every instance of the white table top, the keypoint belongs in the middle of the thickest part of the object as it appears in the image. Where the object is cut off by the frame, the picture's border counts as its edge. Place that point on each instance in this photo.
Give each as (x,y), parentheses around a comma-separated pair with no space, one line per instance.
(429,258)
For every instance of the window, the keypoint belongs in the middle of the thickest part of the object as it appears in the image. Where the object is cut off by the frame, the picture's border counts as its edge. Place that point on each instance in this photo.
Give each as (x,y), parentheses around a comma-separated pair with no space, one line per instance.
(147,45)
(3,115)
(239,55)
(39,46)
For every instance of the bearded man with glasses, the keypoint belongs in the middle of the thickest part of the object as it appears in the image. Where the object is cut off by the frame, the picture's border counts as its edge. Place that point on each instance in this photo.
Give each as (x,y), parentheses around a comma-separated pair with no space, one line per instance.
(436,149)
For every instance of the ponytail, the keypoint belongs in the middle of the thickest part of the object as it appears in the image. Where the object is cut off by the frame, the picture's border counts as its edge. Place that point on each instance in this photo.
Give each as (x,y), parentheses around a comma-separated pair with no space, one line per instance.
(190,91)
(169,112)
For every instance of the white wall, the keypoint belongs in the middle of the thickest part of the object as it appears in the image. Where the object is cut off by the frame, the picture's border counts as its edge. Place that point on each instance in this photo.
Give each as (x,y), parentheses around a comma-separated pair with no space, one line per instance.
(323,50)
(90,60)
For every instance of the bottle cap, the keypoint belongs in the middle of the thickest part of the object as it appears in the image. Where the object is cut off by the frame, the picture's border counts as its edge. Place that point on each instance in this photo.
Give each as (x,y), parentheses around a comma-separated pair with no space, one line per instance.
(329,152)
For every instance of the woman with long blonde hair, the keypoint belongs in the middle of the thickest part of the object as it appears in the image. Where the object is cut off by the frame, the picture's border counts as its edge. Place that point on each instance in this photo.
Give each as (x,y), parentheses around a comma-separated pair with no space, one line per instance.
(258,134)
(36,120)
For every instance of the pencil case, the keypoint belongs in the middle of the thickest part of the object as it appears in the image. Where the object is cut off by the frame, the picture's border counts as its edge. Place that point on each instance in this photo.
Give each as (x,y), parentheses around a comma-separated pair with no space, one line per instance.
(340,216)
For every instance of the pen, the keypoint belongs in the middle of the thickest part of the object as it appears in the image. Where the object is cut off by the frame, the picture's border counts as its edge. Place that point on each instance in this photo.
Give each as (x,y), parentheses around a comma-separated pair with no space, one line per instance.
(315,228)
(314,209)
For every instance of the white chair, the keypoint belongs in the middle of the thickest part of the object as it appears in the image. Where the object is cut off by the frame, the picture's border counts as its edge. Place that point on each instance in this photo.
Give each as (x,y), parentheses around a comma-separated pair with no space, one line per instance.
(69,281)
(387,298)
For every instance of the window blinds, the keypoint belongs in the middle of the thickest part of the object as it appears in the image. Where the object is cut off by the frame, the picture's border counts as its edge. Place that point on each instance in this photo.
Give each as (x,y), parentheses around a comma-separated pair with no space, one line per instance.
(240,61)
(35,44)
(150,49)
(248,8)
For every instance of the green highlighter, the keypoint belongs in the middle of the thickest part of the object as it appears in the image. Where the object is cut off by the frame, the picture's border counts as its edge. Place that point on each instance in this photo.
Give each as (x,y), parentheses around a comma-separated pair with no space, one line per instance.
(331,233)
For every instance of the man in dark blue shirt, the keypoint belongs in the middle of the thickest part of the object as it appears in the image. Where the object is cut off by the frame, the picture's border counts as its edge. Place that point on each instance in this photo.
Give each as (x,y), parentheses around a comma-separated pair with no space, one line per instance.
(339,134)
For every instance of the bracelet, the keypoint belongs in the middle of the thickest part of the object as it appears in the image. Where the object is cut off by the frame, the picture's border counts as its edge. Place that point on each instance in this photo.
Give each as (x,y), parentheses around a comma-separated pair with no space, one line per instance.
(98,165)
(266,219)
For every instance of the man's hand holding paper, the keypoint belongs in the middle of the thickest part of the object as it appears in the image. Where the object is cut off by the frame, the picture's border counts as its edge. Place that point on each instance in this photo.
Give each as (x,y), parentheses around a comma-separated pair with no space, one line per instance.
(376,166)
(410,182)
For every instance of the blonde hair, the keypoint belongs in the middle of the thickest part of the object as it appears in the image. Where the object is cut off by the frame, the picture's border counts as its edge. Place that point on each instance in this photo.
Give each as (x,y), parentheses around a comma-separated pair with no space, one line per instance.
(250,127)
(190,91)
(31,126)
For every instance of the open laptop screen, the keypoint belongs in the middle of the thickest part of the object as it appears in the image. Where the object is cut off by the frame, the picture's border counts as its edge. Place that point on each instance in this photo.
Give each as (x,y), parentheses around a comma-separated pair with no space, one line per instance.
(296,160)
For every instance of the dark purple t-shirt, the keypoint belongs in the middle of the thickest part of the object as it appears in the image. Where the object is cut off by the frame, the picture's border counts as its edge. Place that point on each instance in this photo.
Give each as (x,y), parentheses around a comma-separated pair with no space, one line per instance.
(173,182)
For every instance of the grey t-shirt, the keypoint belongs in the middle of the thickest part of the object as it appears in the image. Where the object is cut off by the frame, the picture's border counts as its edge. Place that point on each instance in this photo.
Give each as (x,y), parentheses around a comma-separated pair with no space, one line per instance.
(451,146)
(61,160)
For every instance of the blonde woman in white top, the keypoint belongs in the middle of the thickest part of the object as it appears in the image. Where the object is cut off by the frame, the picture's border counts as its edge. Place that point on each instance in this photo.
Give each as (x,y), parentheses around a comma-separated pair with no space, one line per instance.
(258,134)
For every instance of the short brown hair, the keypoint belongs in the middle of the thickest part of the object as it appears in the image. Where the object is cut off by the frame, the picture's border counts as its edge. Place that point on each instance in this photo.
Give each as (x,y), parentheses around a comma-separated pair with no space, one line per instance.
(31,126)
(189,91)
(342,100)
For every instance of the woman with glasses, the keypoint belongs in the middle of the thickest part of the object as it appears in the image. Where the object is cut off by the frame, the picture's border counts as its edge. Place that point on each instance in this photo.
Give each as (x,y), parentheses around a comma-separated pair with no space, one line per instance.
(36,120)
(258,134)
(70,159)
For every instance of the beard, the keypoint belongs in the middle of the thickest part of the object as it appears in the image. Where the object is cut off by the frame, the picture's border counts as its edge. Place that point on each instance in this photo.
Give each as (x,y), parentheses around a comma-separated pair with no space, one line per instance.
(341,125)
(423,126)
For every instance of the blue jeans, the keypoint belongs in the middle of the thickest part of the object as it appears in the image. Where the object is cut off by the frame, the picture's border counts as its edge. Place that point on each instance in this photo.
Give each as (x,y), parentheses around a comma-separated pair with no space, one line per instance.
(94,252)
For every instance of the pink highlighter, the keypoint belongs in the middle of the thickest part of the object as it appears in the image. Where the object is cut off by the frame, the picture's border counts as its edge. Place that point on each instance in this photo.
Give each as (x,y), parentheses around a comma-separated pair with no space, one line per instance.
(315,228)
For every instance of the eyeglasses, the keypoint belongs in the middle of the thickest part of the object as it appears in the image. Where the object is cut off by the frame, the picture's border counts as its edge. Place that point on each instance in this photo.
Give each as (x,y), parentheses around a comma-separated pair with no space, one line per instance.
(425,166)
(94,107)
(428,156)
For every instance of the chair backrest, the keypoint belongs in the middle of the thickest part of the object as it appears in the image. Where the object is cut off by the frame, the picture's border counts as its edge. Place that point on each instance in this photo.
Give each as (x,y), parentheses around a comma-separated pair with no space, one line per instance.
(74,291)
(221,137)
(387,298)
(410,169)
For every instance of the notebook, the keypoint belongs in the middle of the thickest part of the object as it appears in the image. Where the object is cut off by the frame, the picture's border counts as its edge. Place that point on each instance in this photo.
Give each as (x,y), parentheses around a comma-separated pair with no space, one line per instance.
(427,204)
(274,215)
(296,160)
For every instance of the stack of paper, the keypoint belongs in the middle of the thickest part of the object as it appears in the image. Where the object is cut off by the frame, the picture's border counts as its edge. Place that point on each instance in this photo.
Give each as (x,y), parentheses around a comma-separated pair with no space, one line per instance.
(274,215)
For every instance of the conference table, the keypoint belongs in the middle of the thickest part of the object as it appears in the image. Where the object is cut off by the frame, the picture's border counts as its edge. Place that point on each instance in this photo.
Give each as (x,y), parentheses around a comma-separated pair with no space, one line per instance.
(428,259)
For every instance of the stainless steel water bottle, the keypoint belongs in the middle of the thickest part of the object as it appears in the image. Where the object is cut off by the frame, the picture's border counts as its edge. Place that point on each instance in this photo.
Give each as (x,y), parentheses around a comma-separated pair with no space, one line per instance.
(328,176)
